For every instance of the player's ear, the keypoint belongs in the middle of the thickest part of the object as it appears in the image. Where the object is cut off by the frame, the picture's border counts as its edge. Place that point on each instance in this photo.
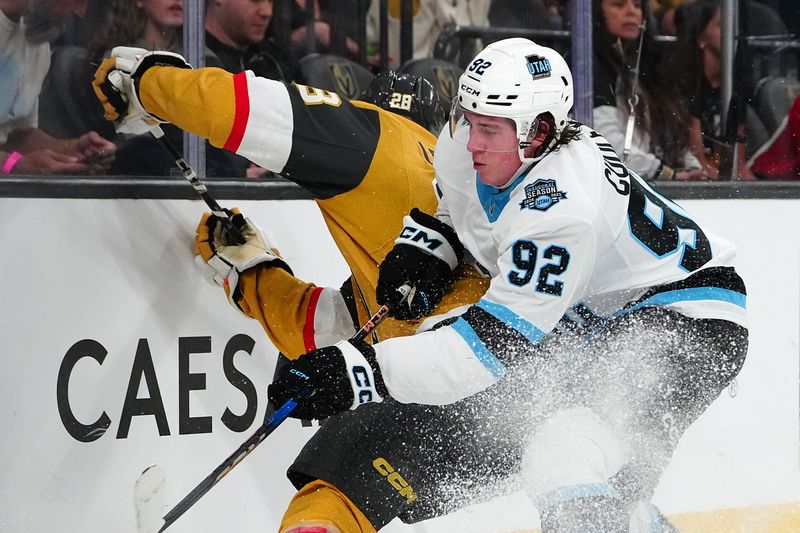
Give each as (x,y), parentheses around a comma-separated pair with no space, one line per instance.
(543,130)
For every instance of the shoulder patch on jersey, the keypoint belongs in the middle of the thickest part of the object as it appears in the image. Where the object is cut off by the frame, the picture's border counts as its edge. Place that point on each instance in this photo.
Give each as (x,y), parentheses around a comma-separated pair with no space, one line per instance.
(541,195)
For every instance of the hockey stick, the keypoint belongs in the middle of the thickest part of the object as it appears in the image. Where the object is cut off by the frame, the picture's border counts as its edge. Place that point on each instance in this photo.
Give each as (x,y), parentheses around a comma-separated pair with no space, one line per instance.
(148,495)
(230,228)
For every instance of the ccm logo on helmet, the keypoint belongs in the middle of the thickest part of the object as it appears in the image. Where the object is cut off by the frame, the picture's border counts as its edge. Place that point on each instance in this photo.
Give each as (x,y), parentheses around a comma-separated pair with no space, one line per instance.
(470,90)
(413,234)
(395,479)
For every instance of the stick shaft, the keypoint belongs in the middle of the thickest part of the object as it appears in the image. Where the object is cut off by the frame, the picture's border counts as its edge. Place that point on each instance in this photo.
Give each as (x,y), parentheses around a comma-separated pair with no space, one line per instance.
(231,461)
(266,429)
(191,176)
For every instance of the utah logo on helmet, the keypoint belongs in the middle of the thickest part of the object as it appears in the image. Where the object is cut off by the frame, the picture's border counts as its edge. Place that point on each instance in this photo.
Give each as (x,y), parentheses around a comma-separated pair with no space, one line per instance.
(539,67)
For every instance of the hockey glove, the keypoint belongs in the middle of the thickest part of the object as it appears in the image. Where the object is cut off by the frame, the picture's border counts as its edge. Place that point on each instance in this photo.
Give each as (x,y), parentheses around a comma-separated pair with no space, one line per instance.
(343,377)
(424,256)
(116,86)
(223,260)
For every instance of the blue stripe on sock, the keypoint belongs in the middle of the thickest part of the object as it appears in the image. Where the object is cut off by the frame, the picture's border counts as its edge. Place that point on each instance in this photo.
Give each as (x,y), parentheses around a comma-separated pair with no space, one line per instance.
(575,492)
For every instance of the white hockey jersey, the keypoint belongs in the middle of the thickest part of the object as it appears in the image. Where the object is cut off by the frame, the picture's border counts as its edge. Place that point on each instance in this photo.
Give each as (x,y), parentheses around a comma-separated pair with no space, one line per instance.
(577,237)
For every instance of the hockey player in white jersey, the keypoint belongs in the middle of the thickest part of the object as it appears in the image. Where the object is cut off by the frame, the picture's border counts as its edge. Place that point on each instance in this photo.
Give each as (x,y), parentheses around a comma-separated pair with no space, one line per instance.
(619,314)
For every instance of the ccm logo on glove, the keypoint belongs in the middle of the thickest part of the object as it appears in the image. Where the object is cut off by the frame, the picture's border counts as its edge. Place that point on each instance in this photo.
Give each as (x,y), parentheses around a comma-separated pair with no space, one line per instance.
(429,234)
(424,256)
(362,379)
(343,377)
(414,234)
(363,385)
(299,374)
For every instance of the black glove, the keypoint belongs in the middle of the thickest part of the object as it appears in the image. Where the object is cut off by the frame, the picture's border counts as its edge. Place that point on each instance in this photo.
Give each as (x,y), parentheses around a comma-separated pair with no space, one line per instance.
(424,256)
(343,377)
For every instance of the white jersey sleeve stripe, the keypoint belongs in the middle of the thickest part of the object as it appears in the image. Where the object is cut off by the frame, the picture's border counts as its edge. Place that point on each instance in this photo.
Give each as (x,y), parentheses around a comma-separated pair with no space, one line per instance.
(328,320)
(267,139)
(482,353)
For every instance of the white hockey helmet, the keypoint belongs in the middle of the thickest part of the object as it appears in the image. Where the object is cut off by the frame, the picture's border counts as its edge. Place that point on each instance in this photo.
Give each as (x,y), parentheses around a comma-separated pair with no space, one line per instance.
(516,79)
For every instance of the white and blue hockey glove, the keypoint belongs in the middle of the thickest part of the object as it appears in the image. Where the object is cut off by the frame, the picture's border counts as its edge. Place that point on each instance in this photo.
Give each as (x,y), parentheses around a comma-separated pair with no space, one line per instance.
(342,377)
(424,257)
(116,86)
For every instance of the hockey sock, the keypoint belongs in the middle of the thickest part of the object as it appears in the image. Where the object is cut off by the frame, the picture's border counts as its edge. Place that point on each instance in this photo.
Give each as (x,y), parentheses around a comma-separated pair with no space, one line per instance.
(635,482)
(583,508)
(646,518)
(319,507)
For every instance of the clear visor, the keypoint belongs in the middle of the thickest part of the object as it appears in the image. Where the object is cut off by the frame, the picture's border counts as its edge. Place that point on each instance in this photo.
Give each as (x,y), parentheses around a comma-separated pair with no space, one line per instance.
(487,133)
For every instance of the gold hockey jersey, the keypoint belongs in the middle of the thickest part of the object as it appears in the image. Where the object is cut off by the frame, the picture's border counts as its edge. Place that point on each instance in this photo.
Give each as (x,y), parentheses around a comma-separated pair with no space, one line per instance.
(366,168)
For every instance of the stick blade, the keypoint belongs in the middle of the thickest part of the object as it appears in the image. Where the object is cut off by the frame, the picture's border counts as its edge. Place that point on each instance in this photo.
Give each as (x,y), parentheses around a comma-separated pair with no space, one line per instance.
(148,498)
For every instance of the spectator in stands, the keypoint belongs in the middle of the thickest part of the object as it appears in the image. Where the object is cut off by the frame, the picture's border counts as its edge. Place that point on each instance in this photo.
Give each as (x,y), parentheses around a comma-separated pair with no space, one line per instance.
(67,107)
(534,14)
(695,69)
(790,12)
(660,137)
(323,11)
(429,17)
(779,157)
(80,30)
(150,24)
(236,34)
(26,26)
(153,24)
(557,9)
(664,12)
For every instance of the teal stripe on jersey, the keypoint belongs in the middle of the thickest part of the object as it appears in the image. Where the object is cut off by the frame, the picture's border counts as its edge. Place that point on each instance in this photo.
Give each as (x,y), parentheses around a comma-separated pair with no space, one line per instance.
(690,295)
(504,314)
(486,357)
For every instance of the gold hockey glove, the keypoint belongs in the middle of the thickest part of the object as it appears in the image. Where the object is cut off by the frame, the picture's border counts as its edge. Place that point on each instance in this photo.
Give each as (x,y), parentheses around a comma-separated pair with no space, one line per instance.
(116,86)
(224,261)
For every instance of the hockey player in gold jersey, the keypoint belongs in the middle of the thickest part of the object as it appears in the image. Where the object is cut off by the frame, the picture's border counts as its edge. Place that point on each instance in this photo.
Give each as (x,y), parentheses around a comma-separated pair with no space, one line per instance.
(365,167)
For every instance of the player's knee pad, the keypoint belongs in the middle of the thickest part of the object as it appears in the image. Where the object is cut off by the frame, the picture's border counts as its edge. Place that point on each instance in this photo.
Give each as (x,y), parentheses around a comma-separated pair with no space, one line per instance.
(581,508)
(574,447)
